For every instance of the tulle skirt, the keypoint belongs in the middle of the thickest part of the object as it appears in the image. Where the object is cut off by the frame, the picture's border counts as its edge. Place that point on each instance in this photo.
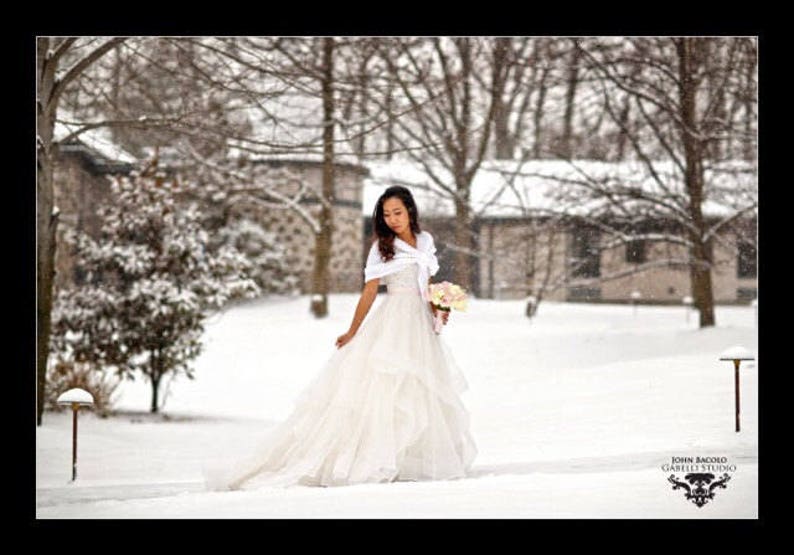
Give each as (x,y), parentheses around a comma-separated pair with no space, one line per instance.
(385,407)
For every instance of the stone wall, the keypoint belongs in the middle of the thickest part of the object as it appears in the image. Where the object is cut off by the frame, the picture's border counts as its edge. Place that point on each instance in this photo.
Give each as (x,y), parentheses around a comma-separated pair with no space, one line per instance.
(346,271)
(507,246)
(78,192)
(510,250)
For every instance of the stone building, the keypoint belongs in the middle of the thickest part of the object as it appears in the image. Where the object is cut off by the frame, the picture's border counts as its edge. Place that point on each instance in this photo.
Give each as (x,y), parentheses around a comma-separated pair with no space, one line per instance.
(82,181)
(82,175)
(515,251)
(578,252)
(296,234)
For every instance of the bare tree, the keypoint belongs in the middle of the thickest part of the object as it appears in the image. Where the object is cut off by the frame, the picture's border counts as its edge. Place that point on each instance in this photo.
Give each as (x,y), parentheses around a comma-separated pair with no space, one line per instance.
(214,104)
(153,91)
(313,64)
(51,80)
(512,106)
(67,68)
(534,67)
(541,228)
(448,121)
(572,82)
(323,239)
(663,78)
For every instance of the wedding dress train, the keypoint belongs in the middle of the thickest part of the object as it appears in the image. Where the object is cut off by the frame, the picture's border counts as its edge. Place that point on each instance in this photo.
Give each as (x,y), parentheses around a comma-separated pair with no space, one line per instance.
(385,407)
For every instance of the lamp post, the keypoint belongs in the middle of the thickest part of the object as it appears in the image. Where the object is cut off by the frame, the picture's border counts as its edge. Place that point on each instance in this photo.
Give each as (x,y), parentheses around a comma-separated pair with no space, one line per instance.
(531,306)
(76,398)
(688,304)
(754,304)
(737,354)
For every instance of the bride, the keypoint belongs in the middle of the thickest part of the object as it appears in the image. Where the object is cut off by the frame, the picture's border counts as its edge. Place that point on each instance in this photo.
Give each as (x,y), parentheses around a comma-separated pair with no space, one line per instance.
(386,406)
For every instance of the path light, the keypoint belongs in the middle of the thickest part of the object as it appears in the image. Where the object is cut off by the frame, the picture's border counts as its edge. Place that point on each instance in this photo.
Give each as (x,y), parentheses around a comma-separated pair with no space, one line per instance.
(532,306)
(754,304)
(76,398)
(635,296)
(737,354)
(688,304)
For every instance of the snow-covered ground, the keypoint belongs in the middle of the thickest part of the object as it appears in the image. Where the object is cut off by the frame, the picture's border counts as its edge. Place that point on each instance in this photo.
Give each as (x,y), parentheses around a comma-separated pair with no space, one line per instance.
(574,415)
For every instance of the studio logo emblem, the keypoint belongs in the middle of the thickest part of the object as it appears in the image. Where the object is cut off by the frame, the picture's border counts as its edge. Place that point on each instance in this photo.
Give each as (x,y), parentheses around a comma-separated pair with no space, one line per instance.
(697,492)
(699,486)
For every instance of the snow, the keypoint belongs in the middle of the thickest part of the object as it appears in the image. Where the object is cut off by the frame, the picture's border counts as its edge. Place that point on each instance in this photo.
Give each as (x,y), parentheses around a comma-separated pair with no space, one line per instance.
(76,395)
(99,139)
(574,414)
(737,352)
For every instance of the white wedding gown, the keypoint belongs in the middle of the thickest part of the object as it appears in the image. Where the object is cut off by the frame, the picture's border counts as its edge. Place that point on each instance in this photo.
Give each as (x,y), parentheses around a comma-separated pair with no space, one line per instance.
(385,407)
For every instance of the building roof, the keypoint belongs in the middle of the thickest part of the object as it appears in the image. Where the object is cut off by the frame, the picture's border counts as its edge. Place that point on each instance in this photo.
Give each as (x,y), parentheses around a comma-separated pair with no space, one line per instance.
(96,144)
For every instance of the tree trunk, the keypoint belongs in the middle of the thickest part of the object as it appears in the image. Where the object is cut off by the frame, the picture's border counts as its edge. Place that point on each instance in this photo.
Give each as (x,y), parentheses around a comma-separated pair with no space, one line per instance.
(389,122)
(504,140)
(322,254)
(46,219)
(48,91)
(46,224)
(700,276)
(537,117)
(566,148)
(363,110)
(700,268)
(464,262)
(715,148)
(156,377)
(748,146)
(623,133)
(115,93)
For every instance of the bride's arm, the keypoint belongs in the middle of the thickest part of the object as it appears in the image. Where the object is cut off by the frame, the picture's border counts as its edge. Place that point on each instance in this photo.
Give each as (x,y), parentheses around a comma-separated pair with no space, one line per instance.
(368,295)
(432,308)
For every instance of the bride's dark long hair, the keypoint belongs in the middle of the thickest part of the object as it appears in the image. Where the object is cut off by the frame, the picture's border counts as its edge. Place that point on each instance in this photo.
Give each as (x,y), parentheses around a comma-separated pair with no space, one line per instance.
(381,232)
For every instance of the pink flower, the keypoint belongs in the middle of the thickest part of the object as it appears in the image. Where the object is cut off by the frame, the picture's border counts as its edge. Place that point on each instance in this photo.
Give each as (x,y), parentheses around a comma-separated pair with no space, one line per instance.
(447,295)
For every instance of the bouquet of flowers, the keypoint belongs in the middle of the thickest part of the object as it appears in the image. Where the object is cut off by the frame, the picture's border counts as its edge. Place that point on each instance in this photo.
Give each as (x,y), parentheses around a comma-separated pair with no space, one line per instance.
(445,296)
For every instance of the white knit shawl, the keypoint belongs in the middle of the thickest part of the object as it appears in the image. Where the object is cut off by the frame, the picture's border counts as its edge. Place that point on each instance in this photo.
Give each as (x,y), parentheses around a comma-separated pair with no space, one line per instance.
(404,254)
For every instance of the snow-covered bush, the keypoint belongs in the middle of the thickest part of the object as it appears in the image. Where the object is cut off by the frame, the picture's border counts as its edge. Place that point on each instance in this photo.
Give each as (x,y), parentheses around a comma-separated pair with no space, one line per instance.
(63,375)
(147,284)
(267,255)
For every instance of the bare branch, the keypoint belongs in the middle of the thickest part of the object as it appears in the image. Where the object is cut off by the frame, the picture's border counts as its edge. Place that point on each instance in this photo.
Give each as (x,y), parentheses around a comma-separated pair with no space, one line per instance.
(82,64)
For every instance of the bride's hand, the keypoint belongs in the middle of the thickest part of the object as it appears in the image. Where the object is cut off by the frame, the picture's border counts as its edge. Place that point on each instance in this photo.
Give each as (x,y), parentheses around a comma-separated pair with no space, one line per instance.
(344,338)
(444,314)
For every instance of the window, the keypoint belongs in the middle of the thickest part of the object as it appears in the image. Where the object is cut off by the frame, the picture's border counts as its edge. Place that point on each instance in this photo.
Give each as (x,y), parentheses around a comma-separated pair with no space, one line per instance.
(586,294)
(747,266)
(585,258)
(79,275)
(746,293)
(635,251)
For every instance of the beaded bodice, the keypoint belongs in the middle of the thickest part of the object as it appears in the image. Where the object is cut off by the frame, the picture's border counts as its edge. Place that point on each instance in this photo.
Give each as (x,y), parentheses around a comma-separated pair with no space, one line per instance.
(403,280)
